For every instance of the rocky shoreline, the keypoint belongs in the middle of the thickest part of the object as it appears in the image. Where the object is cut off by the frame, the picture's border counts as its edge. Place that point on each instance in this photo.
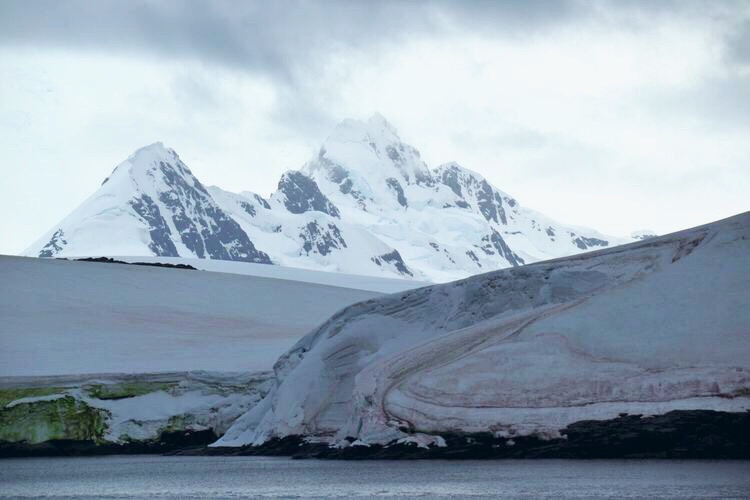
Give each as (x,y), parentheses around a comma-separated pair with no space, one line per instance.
(686,434)
(683,434)
(167,442)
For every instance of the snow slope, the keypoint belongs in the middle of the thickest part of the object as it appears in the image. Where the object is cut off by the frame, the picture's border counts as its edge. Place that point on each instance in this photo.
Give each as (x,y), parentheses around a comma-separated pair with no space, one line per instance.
(365,204)
(61,317)
(644,328)
(356,281)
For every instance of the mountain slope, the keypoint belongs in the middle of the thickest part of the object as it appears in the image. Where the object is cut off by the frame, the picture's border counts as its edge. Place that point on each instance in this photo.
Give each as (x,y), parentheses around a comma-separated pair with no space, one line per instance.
(366,204)
(644,328)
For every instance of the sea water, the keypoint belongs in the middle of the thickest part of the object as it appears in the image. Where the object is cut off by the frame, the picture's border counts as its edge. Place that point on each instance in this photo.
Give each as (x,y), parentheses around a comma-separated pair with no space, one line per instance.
(239,477)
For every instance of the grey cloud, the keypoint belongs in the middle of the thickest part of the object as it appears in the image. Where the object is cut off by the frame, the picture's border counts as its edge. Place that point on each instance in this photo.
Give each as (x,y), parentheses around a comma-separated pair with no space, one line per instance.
(725,100)
(738,44)
(285,39)
(721,102)
(195,91)
(273,37)
(199,29)
(288,41)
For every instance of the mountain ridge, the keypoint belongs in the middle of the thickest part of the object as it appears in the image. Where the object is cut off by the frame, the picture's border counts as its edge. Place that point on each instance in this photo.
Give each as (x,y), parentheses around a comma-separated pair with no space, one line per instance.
(366,203)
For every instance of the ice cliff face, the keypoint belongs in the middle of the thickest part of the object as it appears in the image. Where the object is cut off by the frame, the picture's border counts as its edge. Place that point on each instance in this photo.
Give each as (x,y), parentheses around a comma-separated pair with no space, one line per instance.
(645,328)
(365,204)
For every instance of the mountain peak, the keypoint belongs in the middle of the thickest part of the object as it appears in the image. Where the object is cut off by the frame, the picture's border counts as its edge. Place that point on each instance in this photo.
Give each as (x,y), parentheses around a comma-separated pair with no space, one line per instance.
(157,150)
(378,122)
(147,159)
(376,130)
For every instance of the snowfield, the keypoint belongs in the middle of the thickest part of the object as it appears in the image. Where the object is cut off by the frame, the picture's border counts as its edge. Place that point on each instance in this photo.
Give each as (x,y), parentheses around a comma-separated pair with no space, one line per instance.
(645,328)
(356,281)
(62,317)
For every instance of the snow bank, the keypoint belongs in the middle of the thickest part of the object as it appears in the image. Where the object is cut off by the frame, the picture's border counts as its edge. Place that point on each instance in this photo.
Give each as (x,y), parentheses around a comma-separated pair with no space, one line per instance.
(644,328)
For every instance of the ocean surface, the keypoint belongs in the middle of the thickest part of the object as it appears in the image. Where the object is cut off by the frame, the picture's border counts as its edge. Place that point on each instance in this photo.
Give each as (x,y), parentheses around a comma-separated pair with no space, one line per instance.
(249,477)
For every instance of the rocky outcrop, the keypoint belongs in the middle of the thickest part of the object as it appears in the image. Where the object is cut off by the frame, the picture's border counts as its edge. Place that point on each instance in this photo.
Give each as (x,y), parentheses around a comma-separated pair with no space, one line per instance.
(104,414)
(301,194)
(55,244)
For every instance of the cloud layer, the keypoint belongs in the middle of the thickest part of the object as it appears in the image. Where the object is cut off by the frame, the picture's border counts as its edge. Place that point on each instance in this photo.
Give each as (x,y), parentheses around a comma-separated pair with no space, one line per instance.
(617,115)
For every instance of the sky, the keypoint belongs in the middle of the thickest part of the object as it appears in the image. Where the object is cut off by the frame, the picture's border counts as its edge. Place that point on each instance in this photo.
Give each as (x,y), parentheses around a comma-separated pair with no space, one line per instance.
(619,116)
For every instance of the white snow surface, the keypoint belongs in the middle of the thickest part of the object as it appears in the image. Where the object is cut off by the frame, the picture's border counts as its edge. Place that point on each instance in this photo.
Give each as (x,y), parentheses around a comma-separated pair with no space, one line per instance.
(643,328)
(65,317)
(365,204)
(356,281)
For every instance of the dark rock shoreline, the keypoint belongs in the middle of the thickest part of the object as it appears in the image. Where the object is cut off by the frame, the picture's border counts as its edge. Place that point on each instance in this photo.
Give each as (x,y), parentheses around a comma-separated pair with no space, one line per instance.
(684,434)
(677,434)
(167,442)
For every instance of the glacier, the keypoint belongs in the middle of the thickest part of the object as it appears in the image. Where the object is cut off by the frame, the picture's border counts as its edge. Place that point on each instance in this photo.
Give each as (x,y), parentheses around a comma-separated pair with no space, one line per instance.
(646,328)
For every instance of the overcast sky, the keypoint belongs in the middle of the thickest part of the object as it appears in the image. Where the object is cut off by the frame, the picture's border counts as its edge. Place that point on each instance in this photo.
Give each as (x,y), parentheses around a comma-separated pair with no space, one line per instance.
(619,116)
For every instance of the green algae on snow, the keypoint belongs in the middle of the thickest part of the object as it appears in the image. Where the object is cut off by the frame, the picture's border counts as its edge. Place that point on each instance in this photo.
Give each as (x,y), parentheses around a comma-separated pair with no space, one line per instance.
(114,413)
(180,423)
(8,395)
(65,418)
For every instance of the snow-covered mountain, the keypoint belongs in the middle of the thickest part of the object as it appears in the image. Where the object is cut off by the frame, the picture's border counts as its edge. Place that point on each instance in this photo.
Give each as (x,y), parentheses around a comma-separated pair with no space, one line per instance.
(365,204)
(151,204)
(645,328)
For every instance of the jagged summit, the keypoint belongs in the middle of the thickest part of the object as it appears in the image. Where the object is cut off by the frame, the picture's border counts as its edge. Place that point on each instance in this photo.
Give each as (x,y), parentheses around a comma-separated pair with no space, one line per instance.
(366,203)
(362,156)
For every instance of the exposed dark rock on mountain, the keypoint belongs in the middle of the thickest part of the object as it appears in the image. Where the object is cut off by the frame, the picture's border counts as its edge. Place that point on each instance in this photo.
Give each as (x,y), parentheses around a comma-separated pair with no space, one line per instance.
(302,195)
